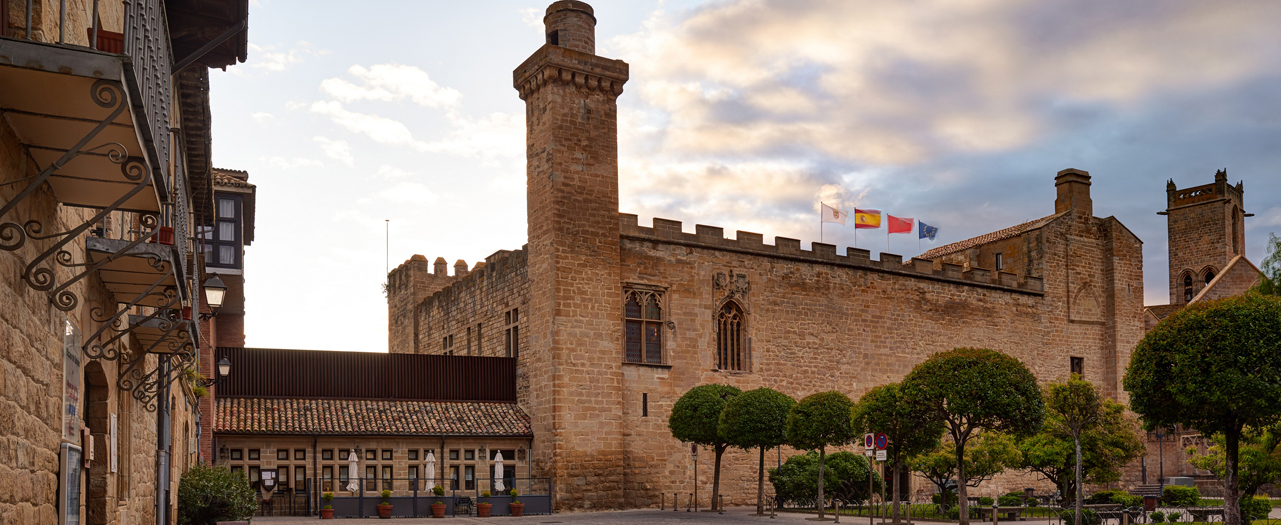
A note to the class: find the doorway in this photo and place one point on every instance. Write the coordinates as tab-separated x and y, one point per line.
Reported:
95	416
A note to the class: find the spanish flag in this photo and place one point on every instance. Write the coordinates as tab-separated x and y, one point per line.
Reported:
867	218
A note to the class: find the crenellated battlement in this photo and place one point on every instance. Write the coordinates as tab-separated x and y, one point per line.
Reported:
497	263
713	237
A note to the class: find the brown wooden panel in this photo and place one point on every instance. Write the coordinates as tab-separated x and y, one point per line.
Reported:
262	372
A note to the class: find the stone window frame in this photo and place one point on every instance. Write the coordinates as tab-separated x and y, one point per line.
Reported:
1208	273
1188	284
744	340
662	298
511	332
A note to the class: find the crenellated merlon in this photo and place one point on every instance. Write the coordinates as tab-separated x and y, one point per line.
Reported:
713	237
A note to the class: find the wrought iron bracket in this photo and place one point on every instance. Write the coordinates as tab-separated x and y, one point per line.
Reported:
111	349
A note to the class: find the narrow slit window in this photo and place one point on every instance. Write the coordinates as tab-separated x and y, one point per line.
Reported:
1187	288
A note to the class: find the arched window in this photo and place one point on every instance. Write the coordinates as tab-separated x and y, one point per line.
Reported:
643	321
1187	287
1209	276
730	354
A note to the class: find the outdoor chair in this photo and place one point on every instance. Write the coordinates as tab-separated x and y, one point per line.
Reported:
463	505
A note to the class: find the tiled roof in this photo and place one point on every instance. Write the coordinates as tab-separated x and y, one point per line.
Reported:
998	235
232	178
368	417
1161	311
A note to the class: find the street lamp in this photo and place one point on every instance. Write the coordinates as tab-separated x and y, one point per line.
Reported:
224	370
1160	439
215	292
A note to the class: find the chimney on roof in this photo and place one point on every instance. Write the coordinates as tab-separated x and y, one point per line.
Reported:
1073	187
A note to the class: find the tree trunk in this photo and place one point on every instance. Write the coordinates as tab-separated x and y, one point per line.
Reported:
822	502
760	485
896	487
716	477
1231	491
1080	497
961	493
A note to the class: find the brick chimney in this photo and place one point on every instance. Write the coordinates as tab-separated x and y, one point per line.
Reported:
571	24
1073	187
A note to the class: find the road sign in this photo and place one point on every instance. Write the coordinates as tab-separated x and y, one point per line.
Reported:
693	450
881	455
882	441
869	441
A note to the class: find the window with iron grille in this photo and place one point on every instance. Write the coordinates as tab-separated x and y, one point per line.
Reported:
730	351
642	327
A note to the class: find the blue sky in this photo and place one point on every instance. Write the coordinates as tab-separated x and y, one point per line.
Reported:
743	114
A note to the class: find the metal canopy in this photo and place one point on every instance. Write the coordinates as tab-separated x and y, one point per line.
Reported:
132	271
54	98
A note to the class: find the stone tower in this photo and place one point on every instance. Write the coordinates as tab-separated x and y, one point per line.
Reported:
407	285
1206	231
571	118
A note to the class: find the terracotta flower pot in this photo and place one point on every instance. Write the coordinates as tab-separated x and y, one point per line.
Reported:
482	509
384	511
326	514
518	509
437	510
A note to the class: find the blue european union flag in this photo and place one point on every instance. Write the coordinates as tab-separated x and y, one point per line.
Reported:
927	231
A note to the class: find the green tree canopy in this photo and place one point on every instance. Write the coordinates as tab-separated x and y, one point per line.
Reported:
910	431
1215	367
757	418
1076	407
207	495
1271	268
1259	462
695	419
1105	449
989	454
846	473
973	389
819	421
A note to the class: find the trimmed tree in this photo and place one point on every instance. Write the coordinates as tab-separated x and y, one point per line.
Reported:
845	472
819	421
1215	367
695	418
757	418
1259	462
1077	407
910	432
973	389
1105	449
208	495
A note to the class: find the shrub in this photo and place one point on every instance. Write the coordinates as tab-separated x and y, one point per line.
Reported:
1088	517
1157	517
947	498
1017	494
1010	501
328	497
1104	496
1255	508
208	495
986	502
1178	496
1033	503
438	490
386	497
484	494
514	493
1173	517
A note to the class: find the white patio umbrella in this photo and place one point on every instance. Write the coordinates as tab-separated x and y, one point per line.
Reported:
429	470
353	472
498	472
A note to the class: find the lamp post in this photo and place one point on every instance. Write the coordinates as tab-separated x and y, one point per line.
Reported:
1160	439
224	370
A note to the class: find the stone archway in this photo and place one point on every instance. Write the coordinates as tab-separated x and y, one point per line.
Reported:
96	412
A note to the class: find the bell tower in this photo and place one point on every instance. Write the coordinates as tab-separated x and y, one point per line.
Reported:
575	328
1206	231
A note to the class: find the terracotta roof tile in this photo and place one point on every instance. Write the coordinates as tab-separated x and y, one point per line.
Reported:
998	235
231	178
368	416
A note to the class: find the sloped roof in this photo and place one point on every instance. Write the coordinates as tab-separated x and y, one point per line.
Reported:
368	417
232	178
1012	231
1161	311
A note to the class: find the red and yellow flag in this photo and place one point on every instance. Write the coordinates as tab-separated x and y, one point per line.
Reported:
867	218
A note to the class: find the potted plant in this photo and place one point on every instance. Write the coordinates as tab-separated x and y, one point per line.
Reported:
518	508
327	512
483	508
438	508
384	508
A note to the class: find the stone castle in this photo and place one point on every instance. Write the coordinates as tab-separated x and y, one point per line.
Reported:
612	321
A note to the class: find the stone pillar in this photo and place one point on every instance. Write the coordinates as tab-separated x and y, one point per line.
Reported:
575	295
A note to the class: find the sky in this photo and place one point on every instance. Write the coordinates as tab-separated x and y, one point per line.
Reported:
392	129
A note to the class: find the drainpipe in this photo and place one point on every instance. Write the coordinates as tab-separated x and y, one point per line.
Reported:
162	448
315	474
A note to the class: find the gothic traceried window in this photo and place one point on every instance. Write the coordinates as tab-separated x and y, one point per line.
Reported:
643	327
1187	288
730	338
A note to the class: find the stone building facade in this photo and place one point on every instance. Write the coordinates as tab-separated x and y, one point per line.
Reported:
618	320
103	174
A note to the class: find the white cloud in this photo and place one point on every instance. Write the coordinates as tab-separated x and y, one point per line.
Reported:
496	135
380	129
388	82
336	149
404	193
533	17
293	163
391	172
295	104
262	117
267	58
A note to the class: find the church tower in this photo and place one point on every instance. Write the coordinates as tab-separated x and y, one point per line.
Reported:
575	311
1206	231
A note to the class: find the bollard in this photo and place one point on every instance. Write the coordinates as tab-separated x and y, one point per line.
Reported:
908	504
772	504
662	501
1125	517
690	506
994	513
676	502
837	503
720	503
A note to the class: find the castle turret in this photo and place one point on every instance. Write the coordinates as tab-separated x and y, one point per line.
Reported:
1206	231
573	260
